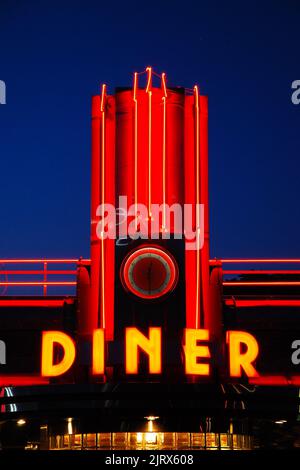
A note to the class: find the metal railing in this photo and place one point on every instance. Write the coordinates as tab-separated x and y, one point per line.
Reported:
262	277
18	273
62	272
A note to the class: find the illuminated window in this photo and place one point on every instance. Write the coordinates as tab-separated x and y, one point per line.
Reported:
104	440
153	441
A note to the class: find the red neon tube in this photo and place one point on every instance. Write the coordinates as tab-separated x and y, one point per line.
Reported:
275	380
261	260
262	283
261	271
22	380
31	260
262	303
49	303
38	283
33	272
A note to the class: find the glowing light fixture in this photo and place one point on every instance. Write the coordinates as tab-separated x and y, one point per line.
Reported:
150	420
151	437
70	425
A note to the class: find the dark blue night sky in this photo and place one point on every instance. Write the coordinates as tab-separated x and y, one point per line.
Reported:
244	55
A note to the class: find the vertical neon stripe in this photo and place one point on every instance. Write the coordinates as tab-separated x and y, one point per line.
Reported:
196	96
135	148
148	90
164	99
103	202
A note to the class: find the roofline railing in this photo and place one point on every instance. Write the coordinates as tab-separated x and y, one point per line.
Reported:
44	273
258	272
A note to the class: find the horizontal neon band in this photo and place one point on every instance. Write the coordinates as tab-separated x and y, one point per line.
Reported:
263	303
64	261
261	260
19	380
261	271
39	283
212	261
34	302
28	272
279	380
262	283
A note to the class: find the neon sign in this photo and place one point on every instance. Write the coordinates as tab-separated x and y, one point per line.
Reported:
243	350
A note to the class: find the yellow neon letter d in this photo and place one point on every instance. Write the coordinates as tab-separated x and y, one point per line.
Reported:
49	338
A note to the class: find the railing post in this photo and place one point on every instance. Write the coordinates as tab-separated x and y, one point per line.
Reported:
45	278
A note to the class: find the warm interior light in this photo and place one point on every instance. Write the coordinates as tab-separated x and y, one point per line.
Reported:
148	437
151	437
150	420
70	425
21	422
281	421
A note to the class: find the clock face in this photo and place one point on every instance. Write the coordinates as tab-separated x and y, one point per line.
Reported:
149	272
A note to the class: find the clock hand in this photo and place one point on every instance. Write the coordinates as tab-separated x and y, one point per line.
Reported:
149	272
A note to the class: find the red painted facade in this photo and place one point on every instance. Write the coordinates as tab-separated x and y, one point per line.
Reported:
150	144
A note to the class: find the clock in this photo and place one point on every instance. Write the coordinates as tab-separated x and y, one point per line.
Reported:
149	272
